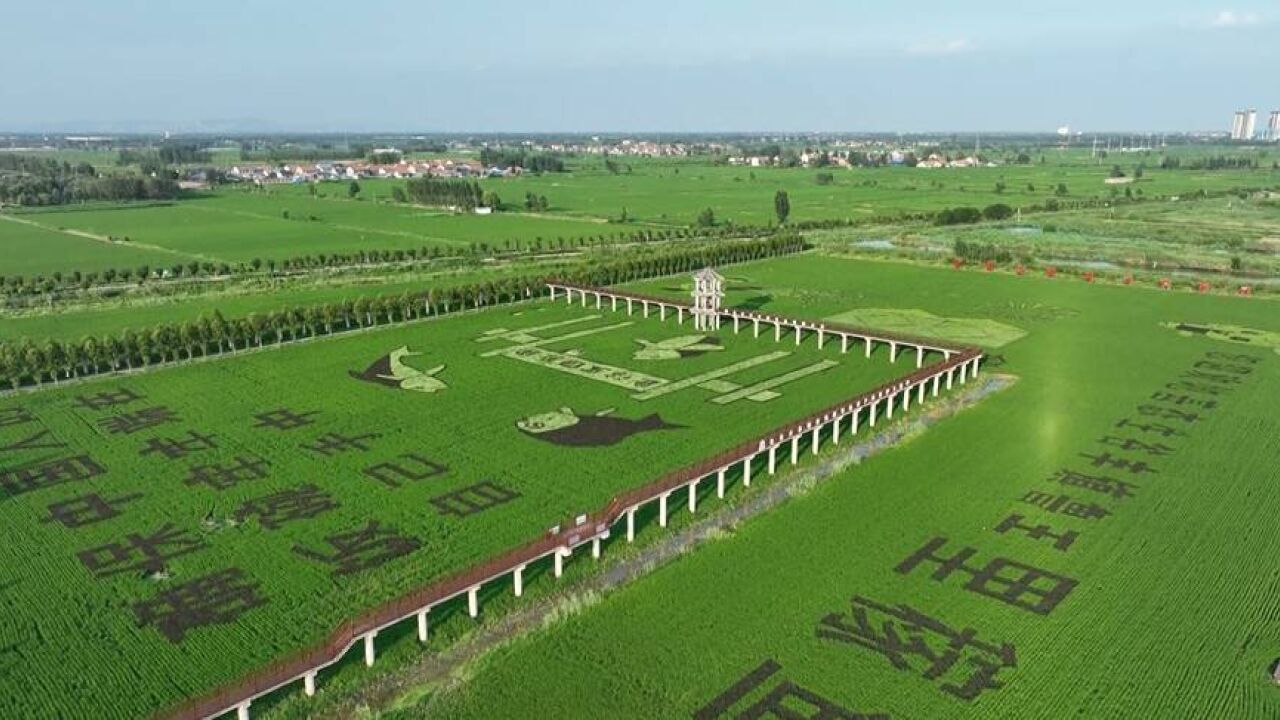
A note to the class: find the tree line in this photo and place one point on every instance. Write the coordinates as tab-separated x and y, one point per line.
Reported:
44	181
167	154
533	162
968	215
40	286
447	192
34	363
1212	162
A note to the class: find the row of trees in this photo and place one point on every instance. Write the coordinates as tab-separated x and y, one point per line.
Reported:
449	192
18	285
29	362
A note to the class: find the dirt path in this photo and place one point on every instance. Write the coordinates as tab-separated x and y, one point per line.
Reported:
435	672
106	240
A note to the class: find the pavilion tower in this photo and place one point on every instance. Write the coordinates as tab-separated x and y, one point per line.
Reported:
707	293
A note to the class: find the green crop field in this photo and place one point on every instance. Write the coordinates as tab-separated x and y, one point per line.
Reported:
282	221
292	488
33	249
239	226
1160	595
1131	460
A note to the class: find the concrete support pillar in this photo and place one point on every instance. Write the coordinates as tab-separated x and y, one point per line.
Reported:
919	357
853	426
920	397
868	343
946	355
422	615
777	332
975	367
720	484
309	684
629	306
598	301
473	601
797	334
873	412
906	398
735	324
821	338
893	352
584	297
631	525
888	411
645	307
242	711
693	496
595	548
369	652
680	316
936	378
662	510
844	344
963	368
662	313
746	471
755	324
773	459
552	289
950	374
795	449
835	430
560	555
614	302
817	429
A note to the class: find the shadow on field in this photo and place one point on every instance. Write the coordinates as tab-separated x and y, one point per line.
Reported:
754	303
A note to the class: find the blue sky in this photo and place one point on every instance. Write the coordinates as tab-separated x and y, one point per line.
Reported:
656	65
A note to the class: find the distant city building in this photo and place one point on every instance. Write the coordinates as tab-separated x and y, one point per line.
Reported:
1250	124
1273	126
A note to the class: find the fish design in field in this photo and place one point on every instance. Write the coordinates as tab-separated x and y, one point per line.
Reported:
1230	333
565	427
677	347
392	371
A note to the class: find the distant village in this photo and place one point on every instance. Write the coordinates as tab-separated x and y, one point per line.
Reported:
303	172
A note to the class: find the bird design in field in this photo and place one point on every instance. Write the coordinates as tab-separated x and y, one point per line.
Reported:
677	347
391	370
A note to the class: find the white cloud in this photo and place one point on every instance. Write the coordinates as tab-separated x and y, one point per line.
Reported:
1233	19
940	47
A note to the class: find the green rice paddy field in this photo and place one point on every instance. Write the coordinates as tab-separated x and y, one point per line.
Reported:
237	225
1161	594
265	471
